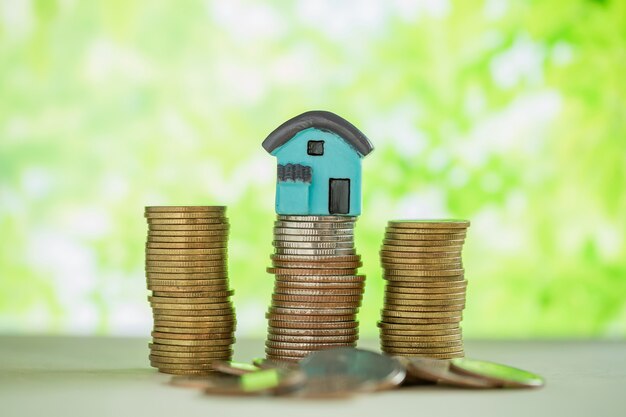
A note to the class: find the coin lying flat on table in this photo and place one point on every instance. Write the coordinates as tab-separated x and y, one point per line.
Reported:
438	371
349	370
497	374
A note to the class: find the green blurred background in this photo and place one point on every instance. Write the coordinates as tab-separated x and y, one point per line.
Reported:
508	113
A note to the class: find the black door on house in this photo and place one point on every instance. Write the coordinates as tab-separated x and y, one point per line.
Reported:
339	196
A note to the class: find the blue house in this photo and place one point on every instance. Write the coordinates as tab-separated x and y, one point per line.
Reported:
319	165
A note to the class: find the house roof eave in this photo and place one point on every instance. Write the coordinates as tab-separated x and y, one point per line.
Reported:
322	120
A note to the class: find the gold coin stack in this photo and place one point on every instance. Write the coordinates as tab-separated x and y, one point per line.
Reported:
317	290
186	269
425	290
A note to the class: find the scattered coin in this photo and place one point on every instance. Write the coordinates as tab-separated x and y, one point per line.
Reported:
233	368
438	371
498	374
349	370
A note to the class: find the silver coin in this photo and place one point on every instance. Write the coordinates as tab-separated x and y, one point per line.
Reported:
348	369
315	252
314	225
312	245
313	232
314	238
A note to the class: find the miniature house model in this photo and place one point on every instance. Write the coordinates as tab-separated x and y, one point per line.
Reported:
319	165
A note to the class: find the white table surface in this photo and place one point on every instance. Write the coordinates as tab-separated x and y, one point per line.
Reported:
91	377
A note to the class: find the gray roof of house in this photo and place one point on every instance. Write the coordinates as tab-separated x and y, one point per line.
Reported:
322	120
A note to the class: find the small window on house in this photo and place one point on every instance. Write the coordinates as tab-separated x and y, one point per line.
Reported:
315	147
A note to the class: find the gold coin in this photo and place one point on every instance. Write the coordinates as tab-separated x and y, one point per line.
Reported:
184	214
164	356
315	305
186	245
191	279
208	322
281	353
417	249
423	243
318	293
161	312
319	298
310	318
187	280
193	321
391	299
384	332
189	306
189	361
305	346
420	314
177	209
187	264
321	278
312	332
184	372
322	286
189	239
400	350
425	339
187	221
188	258
398	230
408	286
312	325
189	227
418	256
395	279
184	273
425	327
284	359
428	294
187	252
318	259
198	294
189	291
311	311
429	224
317	265
418	308
195	330
214	334
433	355
420	321
432	347
307	271
202	342
219	233
425	236
312	339
418	267
420	261
185	300
156	347
195	284
180	366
